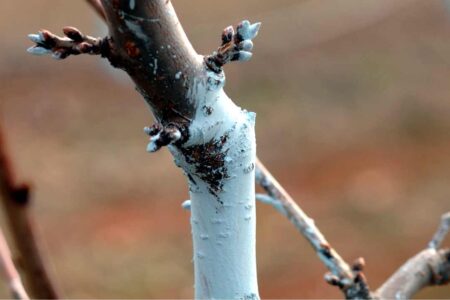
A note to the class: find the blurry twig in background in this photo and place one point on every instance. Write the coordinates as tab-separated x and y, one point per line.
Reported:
429	267
98	7
320	23
15	200
350	280
9	271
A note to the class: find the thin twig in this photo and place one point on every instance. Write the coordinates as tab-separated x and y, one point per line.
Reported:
16	200
350	280
266	199
441	233
9	271
74	43
98	7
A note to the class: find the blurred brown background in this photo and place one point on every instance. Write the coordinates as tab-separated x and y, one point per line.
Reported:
353	112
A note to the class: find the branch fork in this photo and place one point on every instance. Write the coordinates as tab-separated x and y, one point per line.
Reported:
358	288
235	46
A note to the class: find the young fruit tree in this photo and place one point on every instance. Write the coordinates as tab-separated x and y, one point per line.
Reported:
212	140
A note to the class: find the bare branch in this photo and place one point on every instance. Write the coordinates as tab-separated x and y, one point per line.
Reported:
350	280
98	7
155	51
15	199
429	267
148	42
266	199
9	271
441	233
74	43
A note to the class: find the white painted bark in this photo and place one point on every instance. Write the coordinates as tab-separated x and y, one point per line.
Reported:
223	217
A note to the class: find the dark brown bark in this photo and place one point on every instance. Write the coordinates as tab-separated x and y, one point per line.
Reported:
153	49
16	203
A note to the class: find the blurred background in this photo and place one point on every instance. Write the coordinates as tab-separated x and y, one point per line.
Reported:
353	118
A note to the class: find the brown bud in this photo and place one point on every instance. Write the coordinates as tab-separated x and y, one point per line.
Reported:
154	129
85	47
227	35
332	279
73	34
359	264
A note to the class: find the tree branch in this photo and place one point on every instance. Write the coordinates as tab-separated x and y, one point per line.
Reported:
148	42
74	43
441	232
156	53
16	200
430	267
9	271
350	280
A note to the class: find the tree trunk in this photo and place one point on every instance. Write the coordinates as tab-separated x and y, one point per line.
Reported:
219	160
211	139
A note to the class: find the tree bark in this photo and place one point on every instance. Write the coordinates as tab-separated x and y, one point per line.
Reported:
150	45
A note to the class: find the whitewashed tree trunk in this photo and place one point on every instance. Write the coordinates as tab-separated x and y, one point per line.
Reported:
219	160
